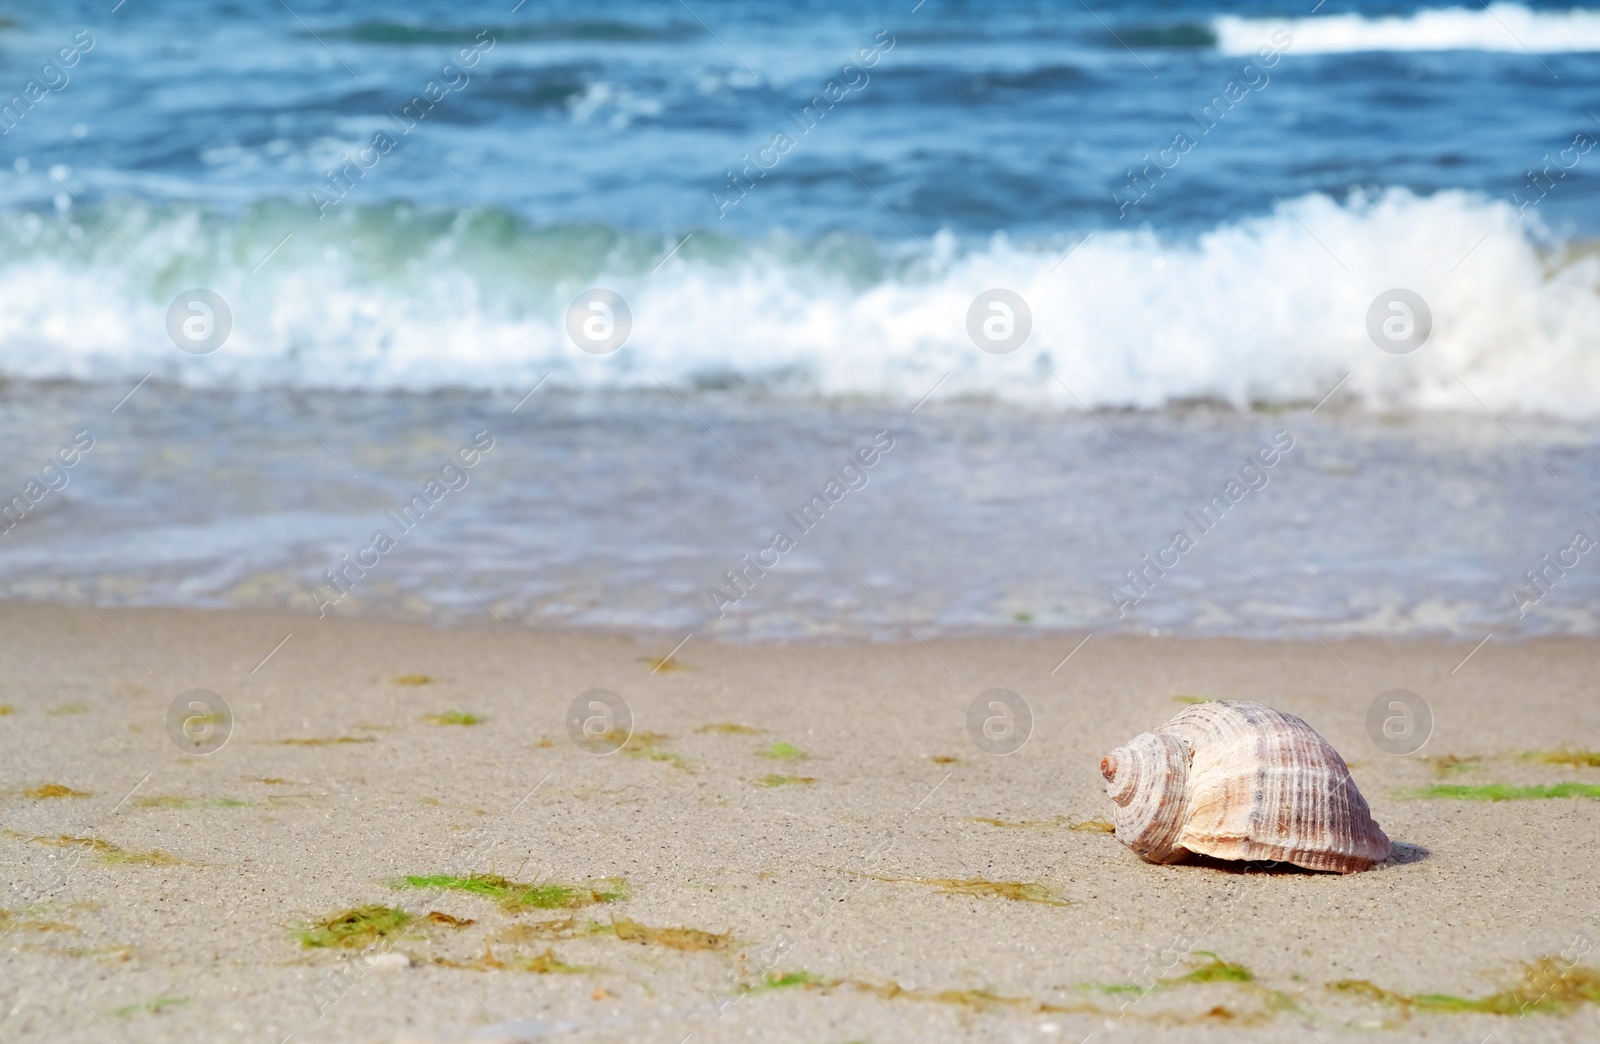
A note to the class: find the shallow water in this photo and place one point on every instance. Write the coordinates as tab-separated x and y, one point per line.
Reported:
384	304
624	510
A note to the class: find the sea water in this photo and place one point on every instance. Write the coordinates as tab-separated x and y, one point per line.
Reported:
1199	204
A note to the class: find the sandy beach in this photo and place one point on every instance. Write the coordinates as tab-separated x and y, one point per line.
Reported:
641	522
798	842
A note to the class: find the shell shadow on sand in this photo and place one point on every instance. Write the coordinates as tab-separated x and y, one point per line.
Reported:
1400	854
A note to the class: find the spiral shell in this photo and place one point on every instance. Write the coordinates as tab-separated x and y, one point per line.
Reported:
1237	780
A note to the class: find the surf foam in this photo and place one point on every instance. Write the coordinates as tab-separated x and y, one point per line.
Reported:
1272	308
1499	27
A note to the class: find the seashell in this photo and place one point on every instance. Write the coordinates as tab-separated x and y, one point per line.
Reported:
1237	780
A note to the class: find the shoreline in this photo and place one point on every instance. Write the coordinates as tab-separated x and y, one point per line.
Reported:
891	636
625	515
20	389
796	835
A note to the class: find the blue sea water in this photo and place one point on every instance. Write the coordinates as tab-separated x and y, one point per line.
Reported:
1198	201
970	119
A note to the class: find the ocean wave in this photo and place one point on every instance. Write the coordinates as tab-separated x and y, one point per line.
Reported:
1498	27
406	34
1269	309
1183	36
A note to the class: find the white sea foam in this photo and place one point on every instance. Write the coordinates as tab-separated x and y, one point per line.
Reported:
1498	27
1270	308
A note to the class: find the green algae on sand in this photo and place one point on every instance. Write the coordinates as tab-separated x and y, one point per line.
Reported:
781	751
1575	758
455	717
1214	969
155	857
175	801
649	745
448	920
980	999
1016	891
51	791
773	779
1444	764
518	895
784	980
355	928
987	999
1547	987
546	963
25	920
687	940
1506	791
108	852
546	931
154	1006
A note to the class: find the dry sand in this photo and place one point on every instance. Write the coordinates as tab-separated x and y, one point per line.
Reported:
822	879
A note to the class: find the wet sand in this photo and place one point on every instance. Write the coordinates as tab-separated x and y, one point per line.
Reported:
850	865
